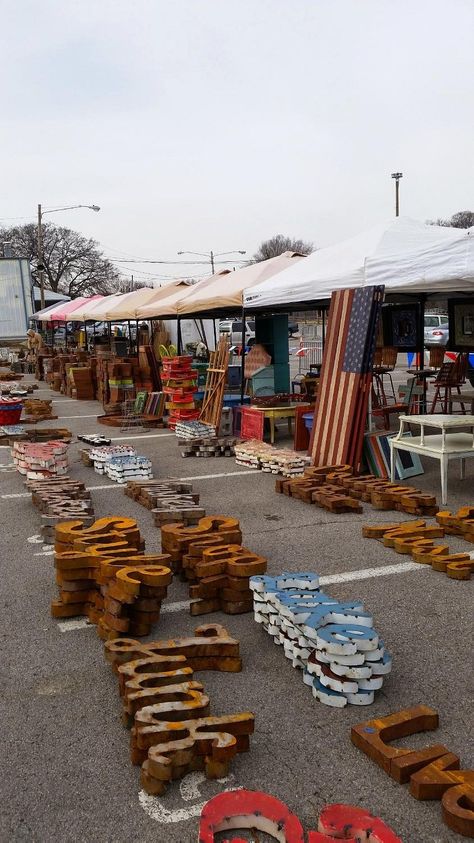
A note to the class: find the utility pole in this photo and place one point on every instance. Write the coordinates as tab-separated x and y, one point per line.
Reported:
397	177
40	257
211	255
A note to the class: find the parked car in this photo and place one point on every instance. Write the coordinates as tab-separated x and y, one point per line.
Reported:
436	329
233	328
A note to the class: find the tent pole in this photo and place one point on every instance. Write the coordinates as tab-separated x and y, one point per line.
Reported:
136	337
129	337
421	333
324	326
65	333
242	357
203	333
215	333
178	331
85	336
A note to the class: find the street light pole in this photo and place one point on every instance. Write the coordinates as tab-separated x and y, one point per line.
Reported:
397	177
40	258
40	265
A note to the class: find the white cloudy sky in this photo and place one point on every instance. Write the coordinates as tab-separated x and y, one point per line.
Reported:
214	124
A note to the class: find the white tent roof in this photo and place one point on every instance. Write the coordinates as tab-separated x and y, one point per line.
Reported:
44	314
226	290
406	255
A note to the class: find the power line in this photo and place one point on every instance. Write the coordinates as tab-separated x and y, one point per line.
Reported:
172	263
29	217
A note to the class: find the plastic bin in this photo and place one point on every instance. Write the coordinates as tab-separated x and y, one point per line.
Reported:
10	411
308	419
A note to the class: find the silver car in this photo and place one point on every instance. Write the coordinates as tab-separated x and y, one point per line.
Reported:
436	329
233	329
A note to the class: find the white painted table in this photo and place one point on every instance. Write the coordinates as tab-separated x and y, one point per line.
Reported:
451	443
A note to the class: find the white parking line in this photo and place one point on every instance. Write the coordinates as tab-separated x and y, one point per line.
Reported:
122	485
141	436
72	625
175	607
93	416
212	476
368	573
348	576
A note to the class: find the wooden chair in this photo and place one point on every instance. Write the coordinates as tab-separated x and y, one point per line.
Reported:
309	387
385	360
451	376
436	356
378	357
407	393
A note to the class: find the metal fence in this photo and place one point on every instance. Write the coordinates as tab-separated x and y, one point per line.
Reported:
309	353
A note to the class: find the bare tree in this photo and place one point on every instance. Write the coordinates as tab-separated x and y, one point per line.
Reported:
73	264
278	244
463	219
129	285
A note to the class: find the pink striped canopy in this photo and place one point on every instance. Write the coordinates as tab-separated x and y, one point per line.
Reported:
62	312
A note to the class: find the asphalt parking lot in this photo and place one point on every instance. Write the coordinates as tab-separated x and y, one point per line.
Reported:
66	769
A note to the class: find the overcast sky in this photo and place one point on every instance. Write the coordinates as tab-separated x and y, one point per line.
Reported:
214	124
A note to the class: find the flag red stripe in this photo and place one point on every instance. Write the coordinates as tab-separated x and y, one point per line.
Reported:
329	421
341	407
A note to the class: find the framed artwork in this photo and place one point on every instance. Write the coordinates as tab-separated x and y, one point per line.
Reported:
401	326
461	324
377	456
407	464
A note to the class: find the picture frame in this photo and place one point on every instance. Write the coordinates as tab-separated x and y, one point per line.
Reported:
377	456
401	326
461	324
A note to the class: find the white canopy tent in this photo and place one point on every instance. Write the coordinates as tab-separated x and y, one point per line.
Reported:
406	255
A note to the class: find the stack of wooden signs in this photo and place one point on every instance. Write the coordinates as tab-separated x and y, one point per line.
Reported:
346	376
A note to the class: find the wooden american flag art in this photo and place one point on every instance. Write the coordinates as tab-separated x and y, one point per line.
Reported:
346	376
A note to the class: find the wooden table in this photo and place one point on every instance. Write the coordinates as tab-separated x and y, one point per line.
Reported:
451	443
423	375
272	413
